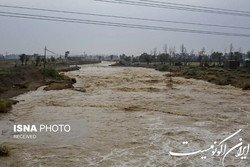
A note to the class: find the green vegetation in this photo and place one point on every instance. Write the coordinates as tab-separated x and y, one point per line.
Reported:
214	68
51	72
163	68
5	106
239	78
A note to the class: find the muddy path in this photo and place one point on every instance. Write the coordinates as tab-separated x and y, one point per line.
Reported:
133	117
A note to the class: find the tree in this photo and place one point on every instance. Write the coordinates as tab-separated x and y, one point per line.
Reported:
135	59
165	48
26	59
38	59
52	59
100	58
146	57
111	57
201	55
155	55
163	58
172	54
122	57
190	56
237	56
248	54
127	58
231	51
22	58
67	54
183	54
216	57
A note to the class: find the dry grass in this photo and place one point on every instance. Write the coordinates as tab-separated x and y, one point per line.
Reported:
238	78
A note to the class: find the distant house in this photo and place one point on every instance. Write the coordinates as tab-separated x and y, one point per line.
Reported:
246	63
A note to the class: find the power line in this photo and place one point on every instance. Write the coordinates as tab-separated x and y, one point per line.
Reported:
174	7
124	17
196	6
52	52
114	24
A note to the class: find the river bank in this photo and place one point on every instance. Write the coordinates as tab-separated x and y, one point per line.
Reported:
239	78
16	80
24	79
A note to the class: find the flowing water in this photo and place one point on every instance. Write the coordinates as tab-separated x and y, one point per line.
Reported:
132	117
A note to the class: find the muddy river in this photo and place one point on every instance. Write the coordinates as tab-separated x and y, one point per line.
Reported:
133	117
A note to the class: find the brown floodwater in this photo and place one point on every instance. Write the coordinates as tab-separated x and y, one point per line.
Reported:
132	117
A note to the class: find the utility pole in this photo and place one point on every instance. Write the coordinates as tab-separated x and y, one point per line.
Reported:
170	77
44	64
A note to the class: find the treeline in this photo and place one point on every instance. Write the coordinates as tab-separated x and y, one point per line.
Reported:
184	57
35	59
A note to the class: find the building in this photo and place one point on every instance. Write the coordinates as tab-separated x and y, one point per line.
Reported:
246	63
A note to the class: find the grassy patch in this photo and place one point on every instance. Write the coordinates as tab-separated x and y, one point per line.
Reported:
163	68
211	77
5	106
52	73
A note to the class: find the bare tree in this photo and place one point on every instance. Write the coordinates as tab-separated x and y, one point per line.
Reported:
165	48
231	47
201	55
172	54
183	53
231	51
26	59
171	51
211	52
155	54
22	58
192	52
155	51
203	50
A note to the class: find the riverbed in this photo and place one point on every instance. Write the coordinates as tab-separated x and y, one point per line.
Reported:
132	117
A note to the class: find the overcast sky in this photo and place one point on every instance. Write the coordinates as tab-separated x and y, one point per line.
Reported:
30	36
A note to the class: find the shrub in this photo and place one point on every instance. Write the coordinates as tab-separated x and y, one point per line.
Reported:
211	77
222	82
246	86
5	106
51	72
164	68
178	64
4	151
